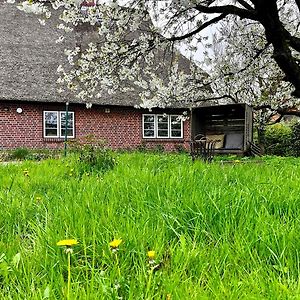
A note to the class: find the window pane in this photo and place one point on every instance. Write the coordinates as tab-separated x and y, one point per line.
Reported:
50	132
176	127
149	126
163	126
70	130
162	133
51	119
176	133
162	119
148	119
51	123
149	133
63	120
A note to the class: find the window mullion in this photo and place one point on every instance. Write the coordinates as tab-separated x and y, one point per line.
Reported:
156	126
59	124
169	126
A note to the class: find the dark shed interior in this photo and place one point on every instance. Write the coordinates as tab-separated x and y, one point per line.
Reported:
231	125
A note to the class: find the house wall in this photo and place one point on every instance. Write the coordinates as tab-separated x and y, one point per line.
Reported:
121	128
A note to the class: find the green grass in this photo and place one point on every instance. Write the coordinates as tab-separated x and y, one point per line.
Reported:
220	230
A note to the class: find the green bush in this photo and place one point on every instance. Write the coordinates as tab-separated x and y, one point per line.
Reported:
295	139
278	140
93	155
20	153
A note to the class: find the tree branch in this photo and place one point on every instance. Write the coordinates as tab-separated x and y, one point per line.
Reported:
229	10
197	30
218	98
245	4
259	52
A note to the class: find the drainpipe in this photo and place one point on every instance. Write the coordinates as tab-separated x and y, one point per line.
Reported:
66	129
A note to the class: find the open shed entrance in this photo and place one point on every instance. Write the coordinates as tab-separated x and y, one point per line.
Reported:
231	125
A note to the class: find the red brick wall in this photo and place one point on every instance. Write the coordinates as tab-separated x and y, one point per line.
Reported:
120	128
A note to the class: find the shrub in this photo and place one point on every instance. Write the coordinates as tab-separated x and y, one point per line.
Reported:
20	153
93	155
295	139
278	139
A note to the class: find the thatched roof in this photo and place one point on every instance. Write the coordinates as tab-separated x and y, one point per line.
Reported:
29	58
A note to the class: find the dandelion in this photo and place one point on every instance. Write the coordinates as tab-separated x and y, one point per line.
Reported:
151	256
68	244
237	161
114	244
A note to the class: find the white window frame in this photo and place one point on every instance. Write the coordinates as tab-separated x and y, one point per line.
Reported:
154	129
181	127
156	116
58	129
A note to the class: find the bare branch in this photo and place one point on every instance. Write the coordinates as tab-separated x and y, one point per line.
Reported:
218	98
229	10
245	4
197	30
259	52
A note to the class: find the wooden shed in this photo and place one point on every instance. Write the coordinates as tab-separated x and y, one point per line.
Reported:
231	125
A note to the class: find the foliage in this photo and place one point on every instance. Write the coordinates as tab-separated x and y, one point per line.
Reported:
295	138
218	231
93	155
237	77
20	153
278	139
28	154
265	43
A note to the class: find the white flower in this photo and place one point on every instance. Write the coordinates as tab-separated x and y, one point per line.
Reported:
60	40
42	22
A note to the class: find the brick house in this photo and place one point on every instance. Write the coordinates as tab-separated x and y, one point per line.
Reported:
32	112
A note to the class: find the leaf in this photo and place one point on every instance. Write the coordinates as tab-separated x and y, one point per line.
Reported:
16	260
47	292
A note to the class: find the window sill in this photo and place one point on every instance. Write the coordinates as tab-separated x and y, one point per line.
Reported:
55	140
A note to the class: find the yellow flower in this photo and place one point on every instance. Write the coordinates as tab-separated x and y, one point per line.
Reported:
115	243
151	254
68	243
237	161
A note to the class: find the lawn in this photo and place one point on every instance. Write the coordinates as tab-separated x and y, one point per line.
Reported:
219	231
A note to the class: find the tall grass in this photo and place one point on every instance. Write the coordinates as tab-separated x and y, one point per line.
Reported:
220	231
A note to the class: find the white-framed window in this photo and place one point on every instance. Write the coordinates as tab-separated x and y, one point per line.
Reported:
162	126
55	124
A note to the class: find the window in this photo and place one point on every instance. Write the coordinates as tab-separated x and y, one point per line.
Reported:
162	126
55	124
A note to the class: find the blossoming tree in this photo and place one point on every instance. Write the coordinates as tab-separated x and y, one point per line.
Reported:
243	70
258	58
